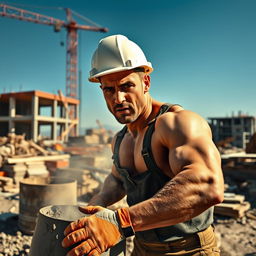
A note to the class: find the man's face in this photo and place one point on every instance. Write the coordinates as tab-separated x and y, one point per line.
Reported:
125	94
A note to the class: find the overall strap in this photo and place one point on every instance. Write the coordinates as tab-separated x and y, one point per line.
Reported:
146	149
119	138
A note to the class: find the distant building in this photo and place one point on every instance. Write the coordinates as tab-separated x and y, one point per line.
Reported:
239	129
38	113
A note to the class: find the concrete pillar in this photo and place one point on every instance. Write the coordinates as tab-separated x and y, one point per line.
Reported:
54	126
12	113
35	107
66	125
77	115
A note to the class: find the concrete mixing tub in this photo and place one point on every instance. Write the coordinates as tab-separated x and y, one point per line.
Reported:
51	222
37	192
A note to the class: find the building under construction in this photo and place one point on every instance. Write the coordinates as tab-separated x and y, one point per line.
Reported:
236	129
32	112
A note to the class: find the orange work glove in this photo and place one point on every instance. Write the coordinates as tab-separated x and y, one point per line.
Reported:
98	232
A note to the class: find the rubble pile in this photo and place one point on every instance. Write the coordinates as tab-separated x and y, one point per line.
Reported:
18	245
12	241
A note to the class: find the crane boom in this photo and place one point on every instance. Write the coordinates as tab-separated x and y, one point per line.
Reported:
72	38
17	13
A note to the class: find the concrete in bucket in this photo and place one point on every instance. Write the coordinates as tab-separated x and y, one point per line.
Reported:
48	235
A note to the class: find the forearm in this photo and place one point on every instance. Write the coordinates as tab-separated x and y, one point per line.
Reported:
181	199
111	192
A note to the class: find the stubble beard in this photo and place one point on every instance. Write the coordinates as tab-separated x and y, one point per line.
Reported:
124	118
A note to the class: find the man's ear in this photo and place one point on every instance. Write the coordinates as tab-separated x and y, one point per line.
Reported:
146	80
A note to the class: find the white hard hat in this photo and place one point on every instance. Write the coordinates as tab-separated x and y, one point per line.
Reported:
117	53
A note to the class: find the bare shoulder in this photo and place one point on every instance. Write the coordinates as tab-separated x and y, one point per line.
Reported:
181	126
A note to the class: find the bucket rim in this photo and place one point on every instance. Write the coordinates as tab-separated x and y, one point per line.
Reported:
47	181
45	212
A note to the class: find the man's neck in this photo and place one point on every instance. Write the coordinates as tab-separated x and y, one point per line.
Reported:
150	111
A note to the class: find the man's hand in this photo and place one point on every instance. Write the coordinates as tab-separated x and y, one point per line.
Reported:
97	233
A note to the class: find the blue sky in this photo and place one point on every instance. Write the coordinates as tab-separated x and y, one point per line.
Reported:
203	52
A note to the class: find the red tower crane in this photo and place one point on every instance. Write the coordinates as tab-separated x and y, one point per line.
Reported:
72	38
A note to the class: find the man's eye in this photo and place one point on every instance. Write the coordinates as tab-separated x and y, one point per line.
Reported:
108	89
126	86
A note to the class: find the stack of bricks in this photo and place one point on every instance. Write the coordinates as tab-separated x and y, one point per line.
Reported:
52	166
16	171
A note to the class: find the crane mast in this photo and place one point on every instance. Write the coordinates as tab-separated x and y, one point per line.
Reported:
71	56
71	42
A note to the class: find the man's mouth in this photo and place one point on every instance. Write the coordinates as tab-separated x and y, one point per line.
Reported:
122	109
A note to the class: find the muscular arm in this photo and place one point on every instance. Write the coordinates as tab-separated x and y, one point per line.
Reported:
198	181
111	192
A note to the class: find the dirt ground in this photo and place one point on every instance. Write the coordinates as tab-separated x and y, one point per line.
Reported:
236	237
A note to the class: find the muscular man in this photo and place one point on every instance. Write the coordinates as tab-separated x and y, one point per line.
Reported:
164	161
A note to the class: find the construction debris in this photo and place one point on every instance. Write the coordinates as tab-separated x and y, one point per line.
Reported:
6	184
20	158
15	171
16	146
233	205
93	136
18	245
236	210
251	145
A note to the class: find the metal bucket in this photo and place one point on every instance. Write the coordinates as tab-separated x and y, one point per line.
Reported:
37	192
48	235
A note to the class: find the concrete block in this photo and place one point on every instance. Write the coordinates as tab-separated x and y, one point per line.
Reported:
92	139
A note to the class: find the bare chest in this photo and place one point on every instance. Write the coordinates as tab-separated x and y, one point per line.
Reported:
130	154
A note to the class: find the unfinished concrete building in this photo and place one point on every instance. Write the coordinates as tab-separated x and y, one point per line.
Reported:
38	113
237	129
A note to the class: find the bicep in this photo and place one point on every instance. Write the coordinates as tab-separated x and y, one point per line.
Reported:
199	167
189	141
200	152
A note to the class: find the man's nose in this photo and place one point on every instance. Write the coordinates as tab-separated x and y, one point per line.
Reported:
119	97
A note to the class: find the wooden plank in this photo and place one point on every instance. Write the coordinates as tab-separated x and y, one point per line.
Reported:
232	210
38	148
37	158
63	100
233	198
238	155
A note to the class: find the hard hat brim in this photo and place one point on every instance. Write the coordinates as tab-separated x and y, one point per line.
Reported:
95	78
